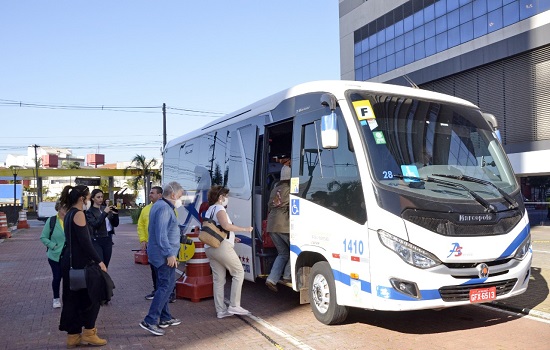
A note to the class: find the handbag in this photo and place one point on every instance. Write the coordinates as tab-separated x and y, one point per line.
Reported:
210	233
77	277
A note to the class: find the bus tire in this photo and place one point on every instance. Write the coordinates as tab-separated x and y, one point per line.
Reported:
323	295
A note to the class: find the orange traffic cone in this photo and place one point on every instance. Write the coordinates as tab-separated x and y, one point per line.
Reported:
22	222
4	232
197	282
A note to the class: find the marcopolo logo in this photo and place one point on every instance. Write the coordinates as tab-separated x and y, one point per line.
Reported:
475	218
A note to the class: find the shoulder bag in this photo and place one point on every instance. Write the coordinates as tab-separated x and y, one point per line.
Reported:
77	277
210	233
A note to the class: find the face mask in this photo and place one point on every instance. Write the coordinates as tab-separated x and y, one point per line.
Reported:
225	201
86	205
178	203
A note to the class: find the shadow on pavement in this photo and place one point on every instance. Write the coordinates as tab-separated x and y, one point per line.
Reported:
536	293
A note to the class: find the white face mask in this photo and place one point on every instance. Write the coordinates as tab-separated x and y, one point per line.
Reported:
178	203
225	201
86	205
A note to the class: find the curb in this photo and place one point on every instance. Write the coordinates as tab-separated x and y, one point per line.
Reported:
524	311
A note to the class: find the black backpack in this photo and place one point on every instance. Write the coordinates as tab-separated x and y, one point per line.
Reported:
52	226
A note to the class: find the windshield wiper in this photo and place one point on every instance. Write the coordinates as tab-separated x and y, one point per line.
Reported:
513	203
488	206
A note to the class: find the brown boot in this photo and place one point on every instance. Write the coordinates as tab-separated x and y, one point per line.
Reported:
73	340
89	337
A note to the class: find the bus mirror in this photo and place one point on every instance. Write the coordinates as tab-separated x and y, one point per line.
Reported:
329	130
329	100
491	119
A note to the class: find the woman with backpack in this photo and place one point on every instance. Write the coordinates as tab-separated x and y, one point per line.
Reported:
53	237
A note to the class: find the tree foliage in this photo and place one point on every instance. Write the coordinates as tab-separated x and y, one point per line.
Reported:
147	173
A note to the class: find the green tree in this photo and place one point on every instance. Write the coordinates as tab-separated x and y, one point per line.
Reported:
70	164
147	173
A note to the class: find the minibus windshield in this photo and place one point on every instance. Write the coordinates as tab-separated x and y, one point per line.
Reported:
411	141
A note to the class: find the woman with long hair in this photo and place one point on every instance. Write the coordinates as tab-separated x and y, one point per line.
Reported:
102	221
224	257
78	309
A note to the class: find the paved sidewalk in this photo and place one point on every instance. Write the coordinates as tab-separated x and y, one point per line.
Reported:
29	322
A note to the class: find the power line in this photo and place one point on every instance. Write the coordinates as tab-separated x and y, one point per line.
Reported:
127	109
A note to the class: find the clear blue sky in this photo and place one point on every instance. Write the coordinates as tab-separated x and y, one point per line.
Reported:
212	56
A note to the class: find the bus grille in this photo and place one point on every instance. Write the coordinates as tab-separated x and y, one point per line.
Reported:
462	292
445	227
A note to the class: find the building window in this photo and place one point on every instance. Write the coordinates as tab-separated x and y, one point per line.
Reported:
434	28
510	13
495	20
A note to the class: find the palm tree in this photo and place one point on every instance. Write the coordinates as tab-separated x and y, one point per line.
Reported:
147	173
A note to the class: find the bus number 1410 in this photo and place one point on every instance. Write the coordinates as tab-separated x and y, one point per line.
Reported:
353	246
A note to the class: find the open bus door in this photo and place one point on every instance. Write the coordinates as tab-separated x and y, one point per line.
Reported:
240	183
274	148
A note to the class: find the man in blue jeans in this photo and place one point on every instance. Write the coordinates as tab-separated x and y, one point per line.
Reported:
162	250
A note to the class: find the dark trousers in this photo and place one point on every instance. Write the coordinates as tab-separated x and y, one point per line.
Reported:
56	281
78	310
154	276
104	247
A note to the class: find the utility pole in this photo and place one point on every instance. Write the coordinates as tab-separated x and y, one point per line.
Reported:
38	183
163	126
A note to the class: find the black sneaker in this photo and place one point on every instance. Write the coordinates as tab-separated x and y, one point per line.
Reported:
172	322
150	296
172	298
151	328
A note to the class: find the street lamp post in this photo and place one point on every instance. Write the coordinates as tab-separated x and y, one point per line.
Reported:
14	171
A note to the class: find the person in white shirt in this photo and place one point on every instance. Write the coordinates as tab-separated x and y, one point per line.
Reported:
224	257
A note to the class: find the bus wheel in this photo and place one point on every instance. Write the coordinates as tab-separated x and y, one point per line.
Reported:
323	295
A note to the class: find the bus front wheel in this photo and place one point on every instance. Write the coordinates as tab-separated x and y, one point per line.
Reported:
323	295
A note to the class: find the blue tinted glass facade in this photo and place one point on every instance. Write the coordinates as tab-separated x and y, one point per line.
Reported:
437	26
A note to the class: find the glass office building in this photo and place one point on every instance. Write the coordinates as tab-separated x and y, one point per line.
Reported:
494	53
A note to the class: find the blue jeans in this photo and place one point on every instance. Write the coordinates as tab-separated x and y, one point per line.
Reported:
281	265
166	281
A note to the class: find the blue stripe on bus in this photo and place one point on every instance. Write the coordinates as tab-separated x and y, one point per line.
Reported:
390	293
516	242
386	292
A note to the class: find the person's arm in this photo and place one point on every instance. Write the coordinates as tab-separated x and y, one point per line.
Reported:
221	215
142	227
163	221
93	221
113	219
271	197
45	236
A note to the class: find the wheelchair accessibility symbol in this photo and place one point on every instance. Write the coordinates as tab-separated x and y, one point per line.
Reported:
295	207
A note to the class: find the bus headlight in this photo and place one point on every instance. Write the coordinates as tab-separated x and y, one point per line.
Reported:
523	248
410	253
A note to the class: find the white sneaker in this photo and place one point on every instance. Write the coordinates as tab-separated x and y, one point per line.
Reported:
237	310
223	314
56	303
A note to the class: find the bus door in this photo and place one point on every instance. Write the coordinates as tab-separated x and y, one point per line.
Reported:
240	177
276	148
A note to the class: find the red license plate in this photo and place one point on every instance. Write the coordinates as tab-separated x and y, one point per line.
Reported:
483	295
